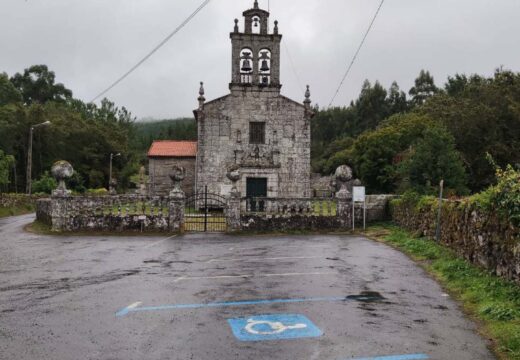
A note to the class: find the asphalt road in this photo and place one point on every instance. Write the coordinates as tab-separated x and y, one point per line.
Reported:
297	297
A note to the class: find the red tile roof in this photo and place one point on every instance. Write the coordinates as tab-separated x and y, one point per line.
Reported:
173	149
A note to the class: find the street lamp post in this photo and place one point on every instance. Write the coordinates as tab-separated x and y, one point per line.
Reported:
112	156
29	156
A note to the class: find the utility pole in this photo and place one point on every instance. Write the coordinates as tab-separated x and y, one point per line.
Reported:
112	156
438	230
29	156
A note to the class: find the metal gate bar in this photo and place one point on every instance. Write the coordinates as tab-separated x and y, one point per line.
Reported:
205	212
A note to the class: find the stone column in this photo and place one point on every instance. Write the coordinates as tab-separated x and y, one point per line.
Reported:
344	212
344	197
176	211
61	197
176	201
233	203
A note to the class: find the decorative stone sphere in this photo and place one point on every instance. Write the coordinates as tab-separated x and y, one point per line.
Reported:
62	170
177	174
233	174
344	173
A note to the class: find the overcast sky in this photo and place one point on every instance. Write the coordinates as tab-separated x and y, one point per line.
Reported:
90	43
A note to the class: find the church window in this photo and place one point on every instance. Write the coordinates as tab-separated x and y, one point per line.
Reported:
257	133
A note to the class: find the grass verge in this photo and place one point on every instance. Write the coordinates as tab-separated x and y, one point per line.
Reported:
493	302
15	211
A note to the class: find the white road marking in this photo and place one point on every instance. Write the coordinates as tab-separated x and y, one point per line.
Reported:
278	246
264	259
134	305
159	242
183	278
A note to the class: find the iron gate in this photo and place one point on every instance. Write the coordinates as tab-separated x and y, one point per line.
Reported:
205	212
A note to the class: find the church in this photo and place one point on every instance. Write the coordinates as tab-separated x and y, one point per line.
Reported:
254	129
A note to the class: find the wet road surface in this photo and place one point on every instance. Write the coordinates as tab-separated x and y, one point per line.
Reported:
206	296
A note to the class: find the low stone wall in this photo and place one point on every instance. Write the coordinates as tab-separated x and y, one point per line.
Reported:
377	209
118	223
43	211
17	200
111	213
480	237
261	223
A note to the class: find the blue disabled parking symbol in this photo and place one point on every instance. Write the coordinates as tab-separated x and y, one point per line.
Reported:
273	327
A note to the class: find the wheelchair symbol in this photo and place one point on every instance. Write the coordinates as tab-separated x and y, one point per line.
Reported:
276	327
273	327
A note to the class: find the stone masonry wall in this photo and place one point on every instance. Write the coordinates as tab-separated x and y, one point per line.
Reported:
223	136
159	170
482	238
17	200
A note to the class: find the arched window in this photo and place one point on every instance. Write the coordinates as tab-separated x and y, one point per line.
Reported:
257	25
264	67
246	66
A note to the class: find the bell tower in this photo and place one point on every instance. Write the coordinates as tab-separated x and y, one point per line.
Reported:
255	52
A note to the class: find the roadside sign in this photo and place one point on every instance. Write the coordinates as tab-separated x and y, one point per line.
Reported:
358	196
273	327
358	193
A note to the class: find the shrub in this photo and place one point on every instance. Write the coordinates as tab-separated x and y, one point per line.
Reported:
45	184
100	191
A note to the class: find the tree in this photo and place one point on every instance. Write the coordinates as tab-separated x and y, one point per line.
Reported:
8	93
37	85
371	107
424	88
375	154
6	163
397	100
483	115
431	159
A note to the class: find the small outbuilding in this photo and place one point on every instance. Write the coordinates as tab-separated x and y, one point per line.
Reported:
162	157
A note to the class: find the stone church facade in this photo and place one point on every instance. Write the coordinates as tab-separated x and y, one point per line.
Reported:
254	128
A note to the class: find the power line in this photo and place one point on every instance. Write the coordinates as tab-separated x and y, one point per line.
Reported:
357	52
161	44
300	84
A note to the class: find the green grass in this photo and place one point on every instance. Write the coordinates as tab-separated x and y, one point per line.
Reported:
14	211
492	301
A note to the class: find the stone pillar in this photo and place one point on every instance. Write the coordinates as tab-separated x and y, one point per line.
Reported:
233	212
176	200
344	197
176	211
344	212
61	197
233	209
60	212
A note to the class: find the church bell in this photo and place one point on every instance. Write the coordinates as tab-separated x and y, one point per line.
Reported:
265	66
246	66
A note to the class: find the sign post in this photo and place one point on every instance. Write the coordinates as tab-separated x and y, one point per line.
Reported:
358	196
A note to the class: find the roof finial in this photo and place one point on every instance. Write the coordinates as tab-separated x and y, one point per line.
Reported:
275	27
236	25
307	96
256	4
201	96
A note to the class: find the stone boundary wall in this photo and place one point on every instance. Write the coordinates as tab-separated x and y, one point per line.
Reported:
111	213
267	223
16	200
480	237
377	210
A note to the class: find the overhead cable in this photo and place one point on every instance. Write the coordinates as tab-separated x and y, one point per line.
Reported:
357	52
161	44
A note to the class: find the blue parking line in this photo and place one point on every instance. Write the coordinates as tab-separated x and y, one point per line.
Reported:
129	309
398	357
